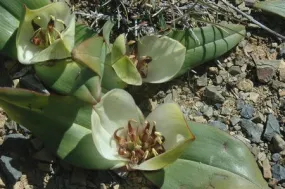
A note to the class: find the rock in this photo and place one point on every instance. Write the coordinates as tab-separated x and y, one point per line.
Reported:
277	85
281	70
199	119
272	127
275	157
2	184
213	70
218	80
116	186
266	169
11	174
234	120
266	69
213	95
252	130
278	143
239	104
103	186
244	140
234	70
219	125
225	75
208	112
78	177
245	85
226	111
237	127
202	81
11	125
278	172
261	156
253	96
247	111
259	118
44	155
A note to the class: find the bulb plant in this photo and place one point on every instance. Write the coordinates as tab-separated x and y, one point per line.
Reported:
108	131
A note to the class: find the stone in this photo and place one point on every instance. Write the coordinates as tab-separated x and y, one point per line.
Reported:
266	69
219	125
277	85
253	96
199	119
272	127
213	95
278	143
213	70
281	70
234	70
252	131
239	104
218	80
208	112
78	177
202	81
275	157
247	111
234	120
11	125
278	172
237	127
11	174
266	169
245	85
261	156
226	111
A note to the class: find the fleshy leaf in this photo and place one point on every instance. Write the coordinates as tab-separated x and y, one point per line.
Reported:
68	77
107	31
110	79
36	21
215	160
127	71
212	42
118	48
62	122
89	53
273	6
167	57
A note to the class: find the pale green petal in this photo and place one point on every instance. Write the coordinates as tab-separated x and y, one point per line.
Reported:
103	141
115	109
119	48
172	125
61	48
167	57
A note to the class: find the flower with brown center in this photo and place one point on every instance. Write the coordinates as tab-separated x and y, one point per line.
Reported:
122	135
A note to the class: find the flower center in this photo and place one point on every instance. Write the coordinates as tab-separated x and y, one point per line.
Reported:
140	143
44	37
142	63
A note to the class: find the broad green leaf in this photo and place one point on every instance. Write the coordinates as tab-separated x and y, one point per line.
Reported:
63	123
213	160
82	32
110	79
127	71
68	77
107	31
89	53
11	12
213	42
118	48
273	6
167	57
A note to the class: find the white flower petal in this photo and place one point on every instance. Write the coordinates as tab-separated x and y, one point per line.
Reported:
29	53
171	123
167	55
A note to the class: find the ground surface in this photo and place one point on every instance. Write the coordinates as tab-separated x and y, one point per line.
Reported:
246	87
